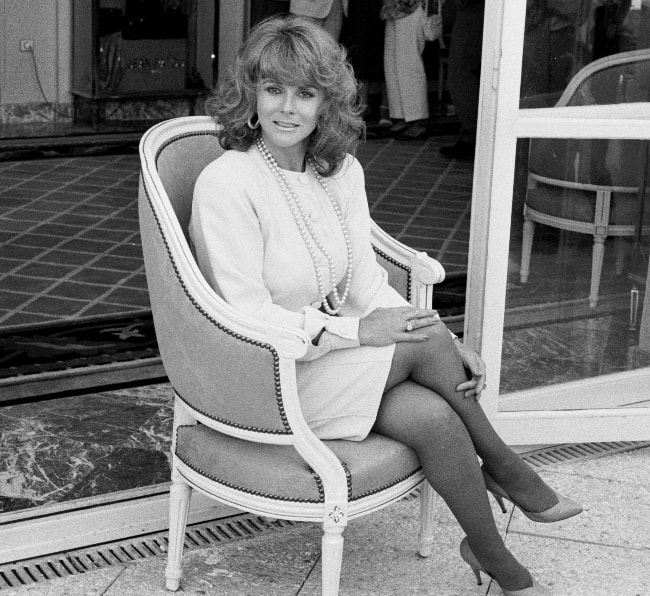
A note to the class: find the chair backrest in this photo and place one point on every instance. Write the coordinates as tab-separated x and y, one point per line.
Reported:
620	78
213	362
180	161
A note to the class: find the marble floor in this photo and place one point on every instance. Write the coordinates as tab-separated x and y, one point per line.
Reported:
84	446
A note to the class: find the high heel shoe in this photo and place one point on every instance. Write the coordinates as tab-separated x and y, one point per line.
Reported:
468	556
563	509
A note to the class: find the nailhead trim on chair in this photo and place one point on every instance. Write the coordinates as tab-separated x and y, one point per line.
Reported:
348	476
185	135
319	483
265	346
376	490
382	488
392	261
228	422
317	479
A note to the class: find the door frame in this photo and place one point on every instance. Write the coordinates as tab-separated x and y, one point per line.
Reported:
501	123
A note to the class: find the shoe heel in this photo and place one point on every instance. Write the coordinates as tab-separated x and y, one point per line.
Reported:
500	502
468	556
497	492
477	573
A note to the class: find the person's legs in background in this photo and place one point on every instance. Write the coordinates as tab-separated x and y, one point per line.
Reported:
396	112
363	37
465	75
406	80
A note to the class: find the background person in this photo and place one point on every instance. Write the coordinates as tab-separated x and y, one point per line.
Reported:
464	74
406	79
327	13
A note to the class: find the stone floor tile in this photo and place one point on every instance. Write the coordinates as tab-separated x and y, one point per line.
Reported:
617	511
380	558
630	466
270	565
85	584
575	568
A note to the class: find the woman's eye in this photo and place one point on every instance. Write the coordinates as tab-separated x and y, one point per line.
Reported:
272	89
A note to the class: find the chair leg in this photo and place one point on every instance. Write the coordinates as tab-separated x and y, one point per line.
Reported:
596	269
332	557
427	504
180	495
526	249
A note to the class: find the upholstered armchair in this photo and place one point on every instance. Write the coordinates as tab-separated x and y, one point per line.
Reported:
591	186
238	433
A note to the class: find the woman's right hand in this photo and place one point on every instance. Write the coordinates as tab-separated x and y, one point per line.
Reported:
385	326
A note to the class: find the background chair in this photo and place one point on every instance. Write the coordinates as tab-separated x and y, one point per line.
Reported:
590	186
238	431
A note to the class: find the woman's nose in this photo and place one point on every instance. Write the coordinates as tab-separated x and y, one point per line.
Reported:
288	103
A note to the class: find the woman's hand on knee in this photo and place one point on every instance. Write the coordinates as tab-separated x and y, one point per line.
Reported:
385	326
476	367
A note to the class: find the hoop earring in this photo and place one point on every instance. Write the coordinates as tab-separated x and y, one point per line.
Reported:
250	124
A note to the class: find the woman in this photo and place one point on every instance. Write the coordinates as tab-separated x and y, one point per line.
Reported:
280	227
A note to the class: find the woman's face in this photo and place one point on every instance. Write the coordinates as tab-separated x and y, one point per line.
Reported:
288	114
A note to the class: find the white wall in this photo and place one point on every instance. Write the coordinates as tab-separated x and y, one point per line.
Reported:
48	24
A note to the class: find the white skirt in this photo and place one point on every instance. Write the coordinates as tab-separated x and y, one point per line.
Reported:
340	392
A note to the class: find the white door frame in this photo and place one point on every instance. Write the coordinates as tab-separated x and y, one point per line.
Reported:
501	123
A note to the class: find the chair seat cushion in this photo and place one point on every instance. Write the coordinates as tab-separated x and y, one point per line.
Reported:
278	471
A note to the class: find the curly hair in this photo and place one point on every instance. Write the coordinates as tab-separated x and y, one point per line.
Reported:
297	52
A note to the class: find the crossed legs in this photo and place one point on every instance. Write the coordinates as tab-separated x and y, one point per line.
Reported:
422	409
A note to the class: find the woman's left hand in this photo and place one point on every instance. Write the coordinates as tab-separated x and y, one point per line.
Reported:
476	367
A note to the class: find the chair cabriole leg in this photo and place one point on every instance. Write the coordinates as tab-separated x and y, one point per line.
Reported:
179	504
332	557
427	503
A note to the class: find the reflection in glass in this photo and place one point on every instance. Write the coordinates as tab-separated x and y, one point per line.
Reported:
577	266
562	37
145	46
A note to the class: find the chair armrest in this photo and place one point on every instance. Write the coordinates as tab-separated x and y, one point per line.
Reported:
413	272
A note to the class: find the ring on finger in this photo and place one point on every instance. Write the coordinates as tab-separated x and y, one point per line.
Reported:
409	325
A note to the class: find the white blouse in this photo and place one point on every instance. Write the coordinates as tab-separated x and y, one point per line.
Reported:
250	250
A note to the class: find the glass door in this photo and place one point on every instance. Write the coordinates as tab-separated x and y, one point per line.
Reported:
559	253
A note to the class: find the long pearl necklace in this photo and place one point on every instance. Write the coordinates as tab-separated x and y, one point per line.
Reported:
309	234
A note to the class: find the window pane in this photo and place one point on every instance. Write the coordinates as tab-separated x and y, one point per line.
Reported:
577	266
563	37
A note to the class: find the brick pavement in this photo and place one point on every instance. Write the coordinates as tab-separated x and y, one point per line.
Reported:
70	244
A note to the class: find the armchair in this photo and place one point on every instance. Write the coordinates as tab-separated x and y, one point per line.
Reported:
591	186
238	431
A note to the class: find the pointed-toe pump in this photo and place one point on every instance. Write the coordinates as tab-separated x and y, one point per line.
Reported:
468	556
563	509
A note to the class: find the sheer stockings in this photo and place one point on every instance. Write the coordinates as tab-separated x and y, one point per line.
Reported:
422	409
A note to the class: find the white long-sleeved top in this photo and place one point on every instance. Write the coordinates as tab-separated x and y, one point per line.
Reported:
250	250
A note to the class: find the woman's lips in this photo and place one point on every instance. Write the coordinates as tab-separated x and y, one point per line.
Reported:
282	124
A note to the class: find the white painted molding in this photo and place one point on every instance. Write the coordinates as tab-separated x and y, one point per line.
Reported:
66	530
